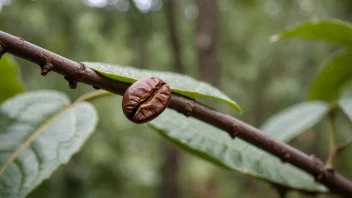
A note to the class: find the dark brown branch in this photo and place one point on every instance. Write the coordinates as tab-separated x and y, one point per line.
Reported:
236	128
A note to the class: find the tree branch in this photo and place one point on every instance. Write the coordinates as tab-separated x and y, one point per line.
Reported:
234	127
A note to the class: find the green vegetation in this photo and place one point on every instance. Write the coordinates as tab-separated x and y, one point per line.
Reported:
290	88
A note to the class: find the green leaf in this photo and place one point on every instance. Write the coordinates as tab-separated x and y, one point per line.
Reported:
346	104
9	78
180	84
334	31
331	80
39	131
295	120
216	146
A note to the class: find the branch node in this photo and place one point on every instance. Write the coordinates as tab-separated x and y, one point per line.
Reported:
187	111
235	131
2	50
319	177
329	170
81	72
71	83
46	68
83	66
321	167
285	157
316	160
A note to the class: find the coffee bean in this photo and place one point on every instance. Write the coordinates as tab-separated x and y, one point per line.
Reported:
145	99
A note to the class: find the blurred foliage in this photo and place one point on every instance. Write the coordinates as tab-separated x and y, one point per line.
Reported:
337	68
122	159
293	121
10	81
339	72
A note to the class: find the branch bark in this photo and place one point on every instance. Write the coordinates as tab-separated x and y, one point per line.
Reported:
234	127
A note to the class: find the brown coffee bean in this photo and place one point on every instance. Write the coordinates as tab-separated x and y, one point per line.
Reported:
145	99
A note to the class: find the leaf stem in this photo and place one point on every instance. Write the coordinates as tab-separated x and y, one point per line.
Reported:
332	138
92	95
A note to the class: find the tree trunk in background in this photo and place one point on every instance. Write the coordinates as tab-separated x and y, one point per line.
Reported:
170	8
169	186
207	41
140	33
209	68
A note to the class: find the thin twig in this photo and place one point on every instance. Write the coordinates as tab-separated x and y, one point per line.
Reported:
234	127
337	151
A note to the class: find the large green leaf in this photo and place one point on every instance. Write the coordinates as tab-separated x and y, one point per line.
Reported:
9	78
39	131
346	104
334	31
216	146
295	120
181	84
331	80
